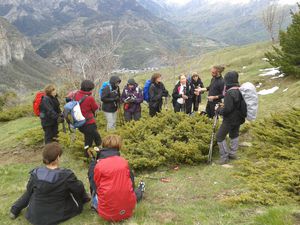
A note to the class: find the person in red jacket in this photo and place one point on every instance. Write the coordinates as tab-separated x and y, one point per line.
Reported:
88	108
112	183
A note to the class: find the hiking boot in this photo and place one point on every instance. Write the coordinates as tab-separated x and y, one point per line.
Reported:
142	186
12	216
232	157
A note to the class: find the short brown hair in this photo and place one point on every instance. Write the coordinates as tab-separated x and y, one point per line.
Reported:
219	68
112	141
51	152
195	74
181	75
154	77
49	88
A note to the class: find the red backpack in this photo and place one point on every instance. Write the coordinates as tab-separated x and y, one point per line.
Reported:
37	102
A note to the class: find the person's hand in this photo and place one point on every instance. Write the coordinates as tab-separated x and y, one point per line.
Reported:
211	98
185	97
197	92
203	89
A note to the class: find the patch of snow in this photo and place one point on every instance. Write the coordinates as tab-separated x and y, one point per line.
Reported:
268	91
259	85
269	72
285	90
265	59
280	76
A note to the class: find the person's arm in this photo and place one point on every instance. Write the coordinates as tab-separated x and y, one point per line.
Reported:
94	105
228	105
106	95
140	97
123	96
221	89
50	112
74	185
175	93
165	92
152	95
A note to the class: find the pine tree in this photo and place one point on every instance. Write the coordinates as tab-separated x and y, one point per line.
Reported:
288	56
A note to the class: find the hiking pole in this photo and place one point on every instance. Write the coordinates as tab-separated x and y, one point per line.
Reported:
120	114
216	117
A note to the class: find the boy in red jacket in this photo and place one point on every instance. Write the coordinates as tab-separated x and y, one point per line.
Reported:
88	108
112	183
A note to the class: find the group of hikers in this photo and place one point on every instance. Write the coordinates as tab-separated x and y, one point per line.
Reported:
54	194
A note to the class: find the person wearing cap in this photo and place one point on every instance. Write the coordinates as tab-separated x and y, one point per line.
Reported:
111	101
132	97
52	194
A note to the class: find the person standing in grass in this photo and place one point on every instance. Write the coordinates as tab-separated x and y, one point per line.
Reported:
157	91
88	108
215	90
182	95
232	118
112	186
132	97
50	114
52	194
196	84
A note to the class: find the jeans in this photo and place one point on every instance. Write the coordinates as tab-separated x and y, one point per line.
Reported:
111	119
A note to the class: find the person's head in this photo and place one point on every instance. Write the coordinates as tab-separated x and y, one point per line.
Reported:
156	78
195	76
87	85
115	81
51	153
131	83
50	90
182	79
112	141
231	79
217	70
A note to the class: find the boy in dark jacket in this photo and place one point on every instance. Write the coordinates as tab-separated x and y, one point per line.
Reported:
88	108
157	91
182	95
215	90
112	183
196	84
232	118
50	114
132	97
111	101
52	195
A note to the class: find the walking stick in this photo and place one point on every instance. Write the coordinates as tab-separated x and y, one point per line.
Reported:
216	117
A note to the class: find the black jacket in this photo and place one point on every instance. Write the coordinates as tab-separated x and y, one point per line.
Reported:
232	101
50	111
195	85
111	95
55	195
216	88
156	93
189	91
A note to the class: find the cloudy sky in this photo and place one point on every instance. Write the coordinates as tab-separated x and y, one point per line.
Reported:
182	2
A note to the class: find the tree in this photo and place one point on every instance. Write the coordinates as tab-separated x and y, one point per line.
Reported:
288	56
273	18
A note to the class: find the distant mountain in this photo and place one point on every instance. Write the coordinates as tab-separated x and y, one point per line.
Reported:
21	69
54	24
228	21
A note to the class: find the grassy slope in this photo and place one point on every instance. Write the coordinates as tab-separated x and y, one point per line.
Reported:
194	194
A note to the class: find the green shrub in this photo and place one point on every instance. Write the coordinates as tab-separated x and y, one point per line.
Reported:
271	171
149	143
15	113
274	217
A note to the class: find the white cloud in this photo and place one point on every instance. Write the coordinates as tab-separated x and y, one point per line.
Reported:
288	2
183	2
176	2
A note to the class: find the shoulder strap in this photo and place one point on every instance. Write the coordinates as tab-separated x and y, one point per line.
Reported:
83	98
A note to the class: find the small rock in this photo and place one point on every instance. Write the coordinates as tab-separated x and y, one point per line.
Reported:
245	144
227	166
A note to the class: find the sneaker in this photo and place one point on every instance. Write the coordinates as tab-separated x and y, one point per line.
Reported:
142	186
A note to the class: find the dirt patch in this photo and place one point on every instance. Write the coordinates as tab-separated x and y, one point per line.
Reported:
20	155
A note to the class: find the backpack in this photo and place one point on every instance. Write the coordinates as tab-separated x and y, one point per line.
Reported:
105	84
37	102
146	90
249	103
73	114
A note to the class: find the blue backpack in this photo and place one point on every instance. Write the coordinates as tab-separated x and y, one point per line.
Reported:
105	84
146	90
73	114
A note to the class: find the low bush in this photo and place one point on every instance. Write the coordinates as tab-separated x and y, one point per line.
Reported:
16	112
271	170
